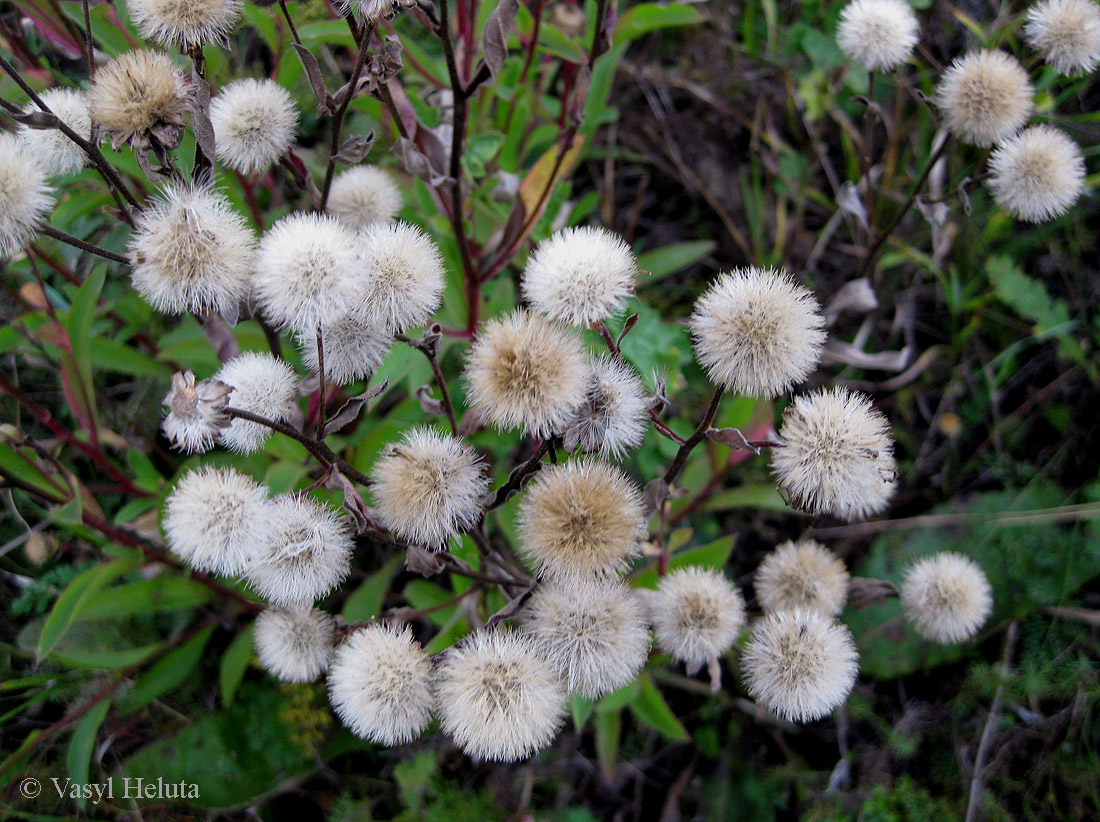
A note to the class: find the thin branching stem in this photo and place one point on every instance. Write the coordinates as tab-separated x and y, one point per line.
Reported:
83	245
697	436
341	113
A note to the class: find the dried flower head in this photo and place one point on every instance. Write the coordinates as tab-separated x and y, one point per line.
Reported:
1067	32
372	10
428	488
255	122
185	23
803	574
196	412
380	685
402	277
800	665
595	633
191	252
264	385
294	644
1038	174
611	418
947	597
985	97
352	349
51	147
580	275
497	698
138	97
214	520
757	332
836	456
25	199
306	552
307	272
526	371
697	615
878	34
364	195
581	518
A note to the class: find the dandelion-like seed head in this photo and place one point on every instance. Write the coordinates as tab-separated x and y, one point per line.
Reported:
306	272
1067	33
580	275
946	597
372	10
364	195
352	349
255	122
306	552
185	23
526	371
1038	174
139	96
800	665
581	518
25	199
757	332
803	574
402	277
985	97
611	418
595	633
428	488
264	385
837	455
380	685
294	644
196	412
214	520
51	147
697	615
878	34
192	252
498	699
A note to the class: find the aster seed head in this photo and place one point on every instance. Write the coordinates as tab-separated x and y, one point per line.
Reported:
51	147
255	123
697	615
196	412
25	199
402	277
985	97
878	34
611	419
263	385
946	597
1067	33
185	23
1038	174
803	574
353	349
364	195
294	644
139	97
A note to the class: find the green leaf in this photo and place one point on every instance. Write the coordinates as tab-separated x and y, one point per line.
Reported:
111	355
651	709
609	727
620	698
647	17
169	672
164	593
581	709
1026	296
234	664
712	555
82	745
662	262
366	600
20	467
75	598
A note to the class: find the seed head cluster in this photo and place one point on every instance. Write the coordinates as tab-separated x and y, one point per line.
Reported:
1038	174
1067	33
878	34
294	644
985	97
803	574
697	615
255	122
946	597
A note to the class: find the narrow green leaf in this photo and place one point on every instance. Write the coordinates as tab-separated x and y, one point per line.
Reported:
661	262
651	709
75	598
169	672
581	709
166	593
609	727
82	745
234	664
366	600
647	17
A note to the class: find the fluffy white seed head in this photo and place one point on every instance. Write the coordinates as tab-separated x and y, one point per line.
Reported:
185	23
352	349
580	275
306	552
878	34
985	97
612	417
757	332
697	615
1038	174
402	277
25	199
428	488
524	371
138	94
214	520
196	412
380	685
364	195
264	385
498	699
372	10
581	518
191	252
946	597
1067	32
294	644
255	122
595	633
836	456
307	272
50	147
803	574
800	665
